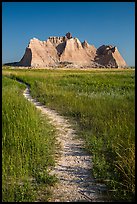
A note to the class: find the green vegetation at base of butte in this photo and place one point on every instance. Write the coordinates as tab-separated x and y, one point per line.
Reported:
101	105
28	147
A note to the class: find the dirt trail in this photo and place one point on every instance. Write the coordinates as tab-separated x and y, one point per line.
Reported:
73	167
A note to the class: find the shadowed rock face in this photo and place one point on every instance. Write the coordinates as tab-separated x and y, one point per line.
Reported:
71	52
109	56
27	58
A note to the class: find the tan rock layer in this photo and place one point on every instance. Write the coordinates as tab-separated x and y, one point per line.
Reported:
68	50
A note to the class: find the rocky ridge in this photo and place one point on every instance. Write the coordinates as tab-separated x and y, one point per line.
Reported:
68	51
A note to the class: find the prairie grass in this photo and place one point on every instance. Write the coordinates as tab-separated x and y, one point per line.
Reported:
28	147
101	105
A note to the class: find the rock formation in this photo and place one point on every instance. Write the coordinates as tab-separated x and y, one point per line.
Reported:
69	51
109	56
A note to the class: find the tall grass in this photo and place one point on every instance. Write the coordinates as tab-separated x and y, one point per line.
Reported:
101	106
28	147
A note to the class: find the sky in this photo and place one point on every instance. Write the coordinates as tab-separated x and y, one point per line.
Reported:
108	23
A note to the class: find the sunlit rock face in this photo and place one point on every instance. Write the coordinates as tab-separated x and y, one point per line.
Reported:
70	52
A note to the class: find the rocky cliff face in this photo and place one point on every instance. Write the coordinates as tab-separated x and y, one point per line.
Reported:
109	56
69	51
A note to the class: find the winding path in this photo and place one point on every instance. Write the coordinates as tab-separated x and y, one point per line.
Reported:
73	166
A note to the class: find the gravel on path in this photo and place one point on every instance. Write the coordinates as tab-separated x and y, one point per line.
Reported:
73	166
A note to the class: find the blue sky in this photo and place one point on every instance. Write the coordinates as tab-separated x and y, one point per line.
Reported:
109	23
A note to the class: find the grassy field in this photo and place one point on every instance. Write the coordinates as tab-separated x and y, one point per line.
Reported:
28	147
101	105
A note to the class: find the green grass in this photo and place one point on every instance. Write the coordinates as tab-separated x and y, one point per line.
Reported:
101	105
28	147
